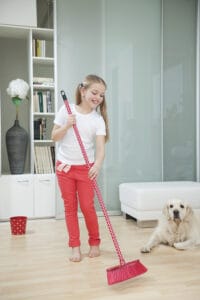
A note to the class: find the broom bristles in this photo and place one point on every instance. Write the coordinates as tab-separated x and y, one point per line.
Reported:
123	272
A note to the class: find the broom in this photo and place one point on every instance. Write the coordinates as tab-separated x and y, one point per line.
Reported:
125	270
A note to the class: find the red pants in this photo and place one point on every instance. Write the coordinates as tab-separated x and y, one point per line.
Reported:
75	186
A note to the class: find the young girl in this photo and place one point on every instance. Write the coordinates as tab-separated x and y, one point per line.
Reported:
74	179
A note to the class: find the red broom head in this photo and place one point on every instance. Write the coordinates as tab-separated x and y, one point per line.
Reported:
123	272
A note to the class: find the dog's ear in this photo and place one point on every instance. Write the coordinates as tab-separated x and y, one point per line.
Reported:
189	212
165	211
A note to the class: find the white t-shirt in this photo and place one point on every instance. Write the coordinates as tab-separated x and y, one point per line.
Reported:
89	126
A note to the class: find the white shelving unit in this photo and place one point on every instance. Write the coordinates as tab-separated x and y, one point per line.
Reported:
29	194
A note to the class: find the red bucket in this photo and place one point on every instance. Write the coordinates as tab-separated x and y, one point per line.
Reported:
18	225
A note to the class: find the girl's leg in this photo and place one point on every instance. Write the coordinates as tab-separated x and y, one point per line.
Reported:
68	192
86	200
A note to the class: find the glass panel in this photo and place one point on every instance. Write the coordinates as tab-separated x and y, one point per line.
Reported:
132	39
179	144
79	50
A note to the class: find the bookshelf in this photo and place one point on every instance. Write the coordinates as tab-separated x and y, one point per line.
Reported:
43	100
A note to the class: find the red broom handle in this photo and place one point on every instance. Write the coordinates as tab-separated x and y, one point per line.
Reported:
95	185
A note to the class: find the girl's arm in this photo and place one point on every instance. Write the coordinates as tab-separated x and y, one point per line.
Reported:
58	132
100	154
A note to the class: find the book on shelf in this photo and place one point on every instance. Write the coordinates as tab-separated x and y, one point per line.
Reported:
42	101
39	48
36	107
52	150
43	82
36	162
42	48
40	80
40	129
50	158
49	101
44	162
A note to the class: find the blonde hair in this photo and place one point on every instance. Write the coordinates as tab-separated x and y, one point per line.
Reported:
87	82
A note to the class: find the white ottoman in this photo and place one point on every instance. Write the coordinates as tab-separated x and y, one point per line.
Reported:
144	201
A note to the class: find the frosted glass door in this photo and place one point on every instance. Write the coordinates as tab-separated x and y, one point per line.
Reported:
132	63
179	88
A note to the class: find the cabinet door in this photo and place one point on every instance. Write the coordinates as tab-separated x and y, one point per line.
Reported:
16	196
26	12
44	195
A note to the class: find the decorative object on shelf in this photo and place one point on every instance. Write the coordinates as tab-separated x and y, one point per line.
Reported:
16	136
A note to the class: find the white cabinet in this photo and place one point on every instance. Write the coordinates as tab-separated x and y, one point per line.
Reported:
44	195
16	196
18	12
28	195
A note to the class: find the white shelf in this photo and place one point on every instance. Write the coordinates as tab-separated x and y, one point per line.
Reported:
43	141
43	60
43	33
44	114
14	32
42	87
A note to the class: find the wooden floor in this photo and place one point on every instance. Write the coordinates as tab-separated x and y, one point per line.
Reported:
36	266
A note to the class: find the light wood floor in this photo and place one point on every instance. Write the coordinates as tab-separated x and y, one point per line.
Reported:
36	266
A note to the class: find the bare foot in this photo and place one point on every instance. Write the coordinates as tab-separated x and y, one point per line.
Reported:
94	251
76	254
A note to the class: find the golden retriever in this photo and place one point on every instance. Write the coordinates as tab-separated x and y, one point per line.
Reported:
178	227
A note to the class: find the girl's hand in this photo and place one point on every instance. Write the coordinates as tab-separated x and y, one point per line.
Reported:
71	120
58	132
93	172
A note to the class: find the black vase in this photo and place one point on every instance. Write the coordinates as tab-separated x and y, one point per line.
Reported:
16	143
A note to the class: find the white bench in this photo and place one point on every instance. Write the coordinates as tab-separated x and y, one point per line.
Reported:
144	201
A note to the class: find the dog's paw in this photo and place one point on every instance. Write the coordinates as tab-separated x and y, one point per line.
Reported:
145	249
178	246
